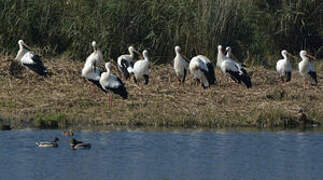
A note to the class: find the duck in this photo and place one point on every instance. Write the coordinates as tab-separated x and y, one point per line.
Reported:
75	145
68	133
48	143
304	121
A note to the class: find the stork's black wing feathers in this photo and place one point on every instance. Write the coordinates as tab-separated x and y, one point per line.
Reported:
313	76
211	74
37	66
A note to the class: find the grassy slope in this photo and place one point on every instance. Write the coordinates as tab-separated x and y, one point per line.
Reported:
67	98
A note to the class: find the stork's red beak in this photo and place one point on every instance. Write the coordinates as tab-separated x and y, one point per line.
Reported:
24	44
312	57
289	54
137	52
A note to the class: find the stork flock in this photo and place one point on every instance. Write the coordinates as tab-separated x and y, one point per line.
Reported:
199	66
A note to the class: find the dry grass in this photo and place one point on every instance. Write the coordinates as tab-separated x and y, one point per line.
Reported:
162	103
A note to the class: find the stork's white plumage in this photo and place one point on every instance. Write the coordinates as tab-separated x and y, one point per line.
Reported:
126	60
305	67
30	60
230	55
199	71
141	69
180	65
233	69
210	69
90	71
283	67
111	83
96	57
219	59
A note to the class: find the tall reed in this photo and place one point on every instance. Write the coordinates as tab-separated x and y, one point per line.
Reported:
257	30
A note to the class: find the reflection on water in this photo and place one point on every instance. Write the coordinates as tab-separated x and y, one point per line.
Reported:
163	155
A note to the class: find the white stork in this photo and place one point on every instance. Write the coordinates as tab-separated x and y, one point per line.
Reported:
233	69
180	65
126	60
305	67
210	69
141	69
96	57
90	71
199	71
30	60
284	68
111	83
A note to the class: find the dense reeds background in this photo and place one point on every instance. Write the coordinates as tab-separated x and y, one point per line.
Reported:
256	29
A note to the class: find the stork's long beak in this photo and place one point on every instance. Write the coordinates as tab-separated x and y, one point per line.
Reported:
24	44
289	54
114	64
188	60
310	56
137	53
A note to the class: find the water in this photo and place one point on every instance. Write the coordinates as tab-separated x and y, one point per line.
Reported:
163	155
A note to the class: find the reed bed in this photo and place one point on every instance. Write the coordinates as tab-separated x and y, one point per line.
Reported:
66	99
257	30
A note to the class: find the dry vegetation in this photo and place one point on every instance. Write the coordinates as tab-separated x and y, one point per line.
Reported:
65	99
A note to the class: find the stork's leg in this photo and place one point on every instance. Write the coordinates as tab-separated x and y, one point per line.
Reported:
110	100
94	91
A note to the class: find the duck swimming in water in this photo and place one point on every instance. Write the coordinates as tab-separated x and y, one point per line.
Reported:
48	143
75	144
68	133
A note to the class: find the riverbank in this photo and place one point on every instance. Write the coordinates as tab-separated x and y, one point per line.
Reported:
65	99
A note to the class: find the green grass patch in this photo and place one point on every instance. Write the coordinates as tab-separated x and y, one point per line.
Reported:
51	121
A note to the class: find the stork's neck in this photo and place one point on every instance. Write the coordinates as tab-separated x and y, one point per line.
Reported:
94	49
285	57
304	58
146	57
106	75
228	54
219	58
21	52
132	54
178	54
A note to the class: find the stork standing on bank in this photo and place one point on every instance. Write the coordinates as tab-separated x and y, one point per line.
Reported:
236	72
140	69
180	65
199	71
126	60
284	68
210	69
306	69
91	71
111	83
30	60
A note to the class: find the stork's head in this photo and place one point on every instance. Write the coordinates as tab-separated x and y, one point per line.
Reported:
108	65
145	53
177	49
227	49
284	52
131	49
21	42
302	53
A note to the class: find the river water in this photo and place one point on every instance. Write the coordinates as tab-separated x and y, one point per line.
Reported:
177	154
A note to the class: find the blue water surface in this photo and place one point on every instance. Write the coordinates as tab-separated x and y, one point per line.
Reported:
137	154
